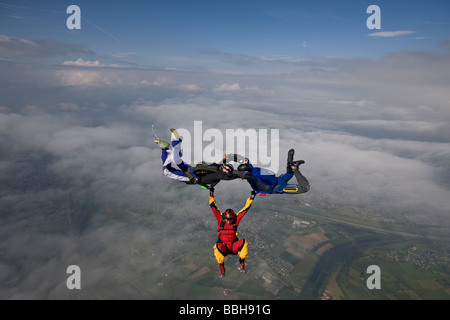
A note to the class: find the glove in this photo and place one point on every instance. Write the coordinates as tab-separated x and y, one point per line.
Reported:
211	192
253	194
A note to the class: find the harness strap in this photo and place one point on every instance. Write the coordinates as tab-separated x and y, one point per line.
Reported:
191	177
232	243
222	225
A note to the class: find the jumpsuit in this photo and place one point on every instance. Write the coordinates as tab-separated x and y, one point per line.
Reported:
228	242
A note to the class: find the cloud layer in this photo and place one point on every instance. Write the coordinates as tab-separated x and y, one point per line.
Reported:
82	175
390	34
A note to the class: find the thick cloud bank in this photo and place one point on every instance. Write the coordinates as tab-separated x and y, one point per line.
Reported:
81	177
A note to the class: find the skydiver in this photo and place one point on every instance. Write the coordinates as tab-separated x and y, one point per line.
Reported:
227	241
212	173
265	181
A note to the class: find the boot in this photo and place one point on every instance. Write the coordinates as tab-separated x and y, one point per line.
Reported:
222	270
296	164
174	135
290	157
241	268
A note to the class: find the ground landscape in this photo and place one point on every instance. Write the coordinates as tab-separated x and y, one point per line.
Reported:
297	251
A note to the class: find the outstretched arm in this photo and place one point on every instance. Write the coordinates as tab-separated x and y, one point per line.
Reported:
247	206
258	183
234	157
213	205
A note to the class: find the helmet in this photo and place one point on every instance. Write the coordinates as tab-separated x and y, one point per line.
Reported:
229	214
244	167
228	167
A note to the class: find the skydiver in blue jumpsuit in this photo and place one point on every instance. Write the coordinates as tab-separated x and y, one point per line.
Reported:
265	181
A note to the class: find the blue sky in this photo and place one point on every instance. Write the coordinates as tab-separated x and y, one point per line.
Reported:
186	33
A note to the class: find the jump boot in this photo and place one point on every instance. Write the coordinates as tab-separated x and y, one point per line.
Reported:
290	157
241	268
222	270
296	164
175	136
290	160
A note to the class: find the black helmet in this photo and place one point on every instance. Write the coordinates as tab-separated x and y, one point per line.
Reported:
244	167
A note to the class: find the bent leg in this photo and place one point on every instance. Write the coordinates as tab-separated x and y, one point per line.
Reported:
303	183
168	170
301	187
240	248
178	154
282	181
243	251
174	174
219	256
165	153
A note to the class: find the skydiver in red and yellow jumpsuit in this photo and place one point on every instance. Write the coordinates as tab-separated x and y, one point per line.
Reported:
227	225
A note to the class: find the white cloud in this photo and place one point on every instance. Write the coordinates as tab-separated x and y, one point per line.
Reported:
398	125
390	34
359	104
228	87
116	162
90	64
161	80
87	78
190	87
32	110
370	114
